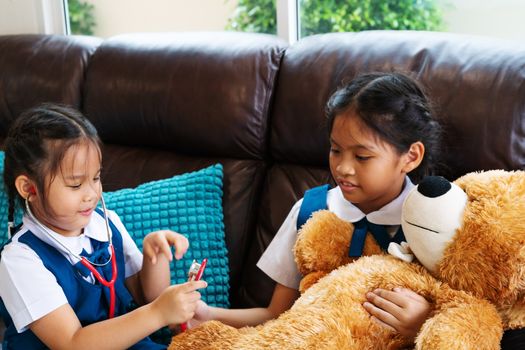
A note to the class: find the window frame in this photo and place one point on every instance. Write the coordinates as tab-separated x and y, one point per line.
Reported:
54	17
288	20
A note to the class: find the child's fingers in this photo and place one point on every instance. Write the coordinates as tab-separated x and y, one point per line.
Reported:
389	301
165	249
150	253
161	242
179	242
189	287
409	293
380	316
193	298
155	244
383	324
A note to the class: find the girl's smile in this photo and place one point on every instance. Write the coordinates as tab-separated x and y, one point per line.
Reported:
346	186
86	212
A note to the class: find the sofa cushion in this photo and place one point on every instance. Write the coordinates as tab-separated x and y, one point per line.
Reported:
41	68
193	93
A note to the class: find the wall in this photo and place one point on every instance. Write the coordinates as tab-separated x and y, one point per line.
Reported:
32	16
496	18
119	16
125	16
20	16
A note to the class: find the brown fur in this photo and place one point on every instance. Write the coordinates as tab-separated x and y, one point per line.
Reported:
491	263
329	237
480	290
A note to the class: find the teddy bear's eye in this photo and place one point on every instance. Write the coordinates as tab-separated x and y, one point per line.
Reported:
424	228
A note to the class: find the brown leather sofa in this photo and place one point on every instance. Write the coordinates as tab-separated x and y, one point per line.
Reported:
169	103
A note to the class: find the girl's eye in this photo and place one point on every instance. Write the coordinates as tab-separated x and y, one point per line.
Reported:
96	179
334	150
75	186
362	158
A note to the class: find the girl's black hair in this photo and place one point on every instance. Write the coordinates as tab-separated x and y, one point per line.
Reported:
36	144
394	106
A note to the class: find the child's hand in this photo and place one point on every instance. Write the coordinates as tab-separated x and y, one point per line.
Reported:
159	242
401	309
177	303
202	314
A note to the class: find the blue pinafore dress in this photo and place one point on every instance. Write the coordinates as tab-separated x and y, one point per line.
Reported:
89	301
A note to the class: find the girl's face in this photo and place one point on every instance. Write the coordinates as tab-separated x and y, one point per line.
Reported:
73	193
369	171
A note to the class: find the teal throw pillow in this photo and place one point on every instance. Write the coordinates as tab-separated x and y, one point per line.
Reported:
4	205
190	204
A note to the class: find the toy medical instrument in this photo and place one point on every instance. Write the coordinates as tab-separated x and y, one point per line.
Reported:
90	265
194	274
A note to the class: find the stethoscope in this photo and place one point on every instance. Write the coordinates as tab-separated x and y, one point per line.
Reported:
84	261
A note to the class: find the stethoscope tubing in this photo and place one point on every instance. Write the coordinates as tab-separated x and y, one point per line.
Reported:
110	284
66	248
84	261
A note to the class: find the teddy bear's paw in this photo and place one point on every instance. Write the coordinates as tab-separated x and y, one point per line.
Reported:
452	327
310	280
322	243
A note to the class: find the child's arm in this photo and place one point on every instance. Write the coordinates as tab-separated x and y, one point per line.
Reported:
400	309
175	305
154	276
282	299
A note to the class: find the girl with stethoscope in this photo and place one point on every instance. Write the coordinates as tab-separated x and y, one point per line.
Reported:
71	270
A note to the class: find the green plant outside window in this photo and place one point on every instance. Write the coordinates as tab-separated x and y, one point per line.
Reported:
324	16
81	17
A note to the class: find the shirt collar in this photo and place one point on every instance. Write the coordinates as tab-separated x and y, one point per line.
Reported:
95	229
390	214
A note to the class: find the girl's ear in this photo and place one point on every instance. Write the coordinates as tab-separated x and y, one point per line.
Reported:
414	156
25	187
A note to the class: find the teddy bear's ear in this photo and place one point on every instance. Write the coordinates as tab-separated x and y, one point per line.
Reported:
486	183
487	256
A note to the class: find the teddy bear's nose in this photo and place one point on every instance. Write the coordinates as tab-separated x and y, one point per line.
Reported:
434	186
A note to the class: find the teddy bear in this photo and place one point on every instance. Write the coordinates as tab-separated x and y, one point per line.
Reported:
465	254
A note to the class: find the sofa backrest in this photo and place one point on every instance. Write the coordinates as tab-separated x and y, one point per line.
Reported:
41	68
165	104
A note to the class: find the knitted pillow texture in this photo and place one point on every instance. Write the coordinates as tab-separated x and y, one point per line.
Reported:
190	204
4	205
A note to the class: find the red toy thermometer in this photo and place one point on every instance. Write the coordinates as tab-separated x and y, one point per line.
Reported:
194	274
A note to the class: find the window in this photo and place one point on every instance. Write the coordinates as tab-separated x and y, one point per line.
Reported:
357	15
494	18
290	19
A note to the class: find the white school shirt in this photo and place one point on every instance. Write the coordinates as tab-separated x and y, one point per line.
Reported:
29	290
278	261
